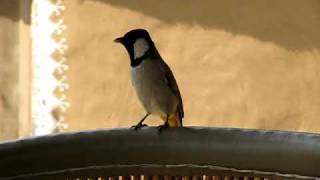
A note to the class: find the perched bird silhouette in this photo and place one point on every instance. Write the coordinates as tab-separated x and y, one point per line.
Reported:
153	80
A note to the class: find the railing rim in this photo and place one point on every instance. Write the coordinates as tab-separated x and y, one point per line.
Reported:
195	149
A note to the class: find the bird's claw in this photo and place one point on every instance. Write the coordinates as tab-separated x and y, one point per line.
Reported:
163	127
138	126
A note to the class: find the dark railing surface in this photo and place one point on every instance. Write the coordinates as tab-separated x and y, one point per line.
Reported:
190	153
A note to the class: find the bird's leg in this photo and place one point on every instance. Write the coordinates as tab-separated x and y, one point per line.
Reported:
165	125
140	125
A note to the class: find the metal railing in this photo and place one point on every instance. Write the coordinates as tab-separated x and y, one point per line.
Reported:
176	153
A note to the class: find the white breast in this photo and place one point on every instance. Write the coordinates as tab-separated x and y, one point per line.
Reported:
140	47
144	82
152	91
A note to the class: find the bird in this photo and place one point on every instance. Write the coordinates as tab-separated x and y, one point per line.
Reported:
153	80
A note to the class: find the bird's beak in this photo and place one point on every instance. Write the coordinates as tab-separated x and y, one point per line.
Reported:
119	40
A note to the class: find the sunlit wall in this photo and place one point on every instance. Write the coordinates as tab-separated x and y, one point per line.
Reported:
250	64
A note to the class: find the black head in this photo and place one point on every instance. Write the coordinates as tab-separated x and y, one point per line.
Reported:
138	44
130	37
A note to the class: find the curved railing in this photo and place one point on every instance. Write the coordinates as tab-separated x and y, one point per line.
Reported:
178	152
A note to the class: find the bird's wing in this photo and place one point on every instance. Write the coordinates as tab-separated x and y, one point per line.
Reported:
171	81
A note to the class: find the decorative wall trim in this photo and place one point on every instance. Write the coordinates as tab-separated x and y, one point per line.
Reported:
49	78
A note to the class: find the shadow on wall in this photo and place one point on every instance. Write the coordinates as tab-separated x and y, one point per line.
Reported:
293	24
9	10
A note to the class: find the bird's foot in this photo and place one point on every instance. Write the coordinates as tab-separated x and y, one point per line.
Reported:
138	126
163	127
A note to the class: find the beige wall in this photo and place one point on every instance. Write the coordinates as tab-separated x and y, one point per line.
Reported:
14	69
250	64
9	36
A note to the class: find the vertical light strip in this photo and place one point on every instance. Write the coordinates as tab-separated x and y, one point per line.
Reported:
25	69
45	82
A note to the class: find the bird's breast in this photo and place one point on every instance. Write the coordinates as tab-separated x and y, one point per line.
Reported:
144	78
151	88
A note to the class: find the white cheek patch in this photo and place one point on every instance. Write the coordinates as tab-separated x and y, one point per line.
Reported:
140	47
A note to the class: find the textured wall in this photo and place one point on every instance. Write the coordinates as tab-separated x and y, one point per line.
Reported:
253	64
9	38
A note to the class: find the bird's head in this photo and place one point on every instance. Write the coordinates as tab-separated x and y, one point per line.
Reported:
137	42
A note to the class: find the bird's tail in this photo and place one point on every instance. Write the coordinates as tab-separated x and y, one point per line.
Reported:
173	120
